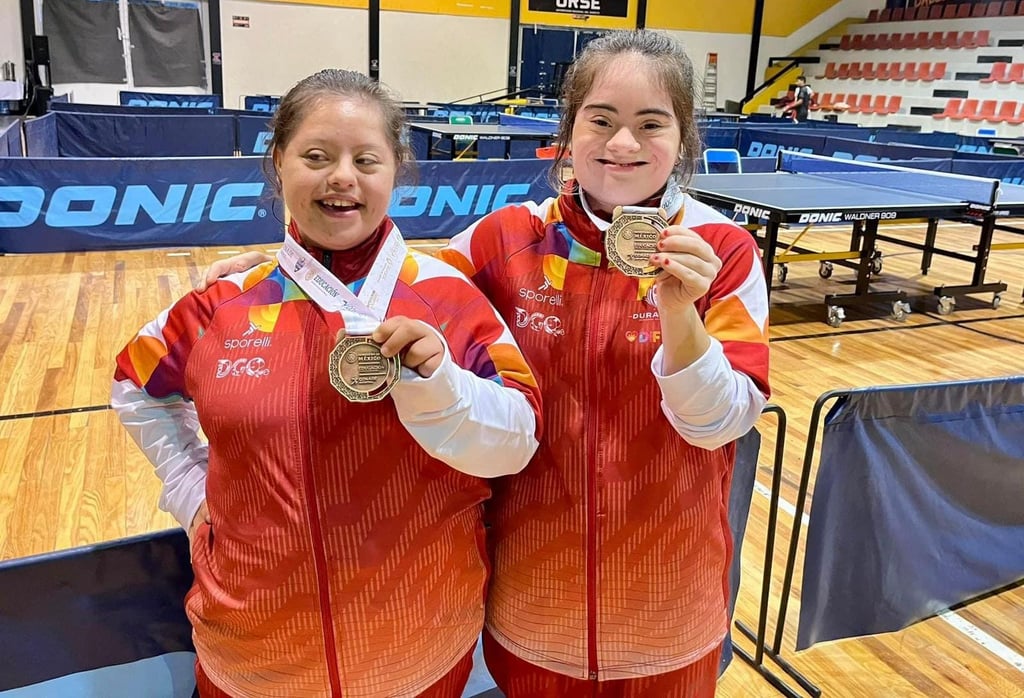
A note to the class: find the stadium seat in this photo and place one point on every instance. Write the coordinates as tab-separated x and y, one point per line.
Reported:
1009	8
920	40
923	71
862	106
949	11
1019	118
884	42
906	72
868	73
906	41
873	16
1016	73
895	102
935	12
936	40
963	10
1007	111
830	72
855	71
884	72
951	40
993	9
844	42
885	15
978	9
897	14
825	102
981	39
857	42
843	71
836	101
967	110
877	105
998	73
987	112
952	107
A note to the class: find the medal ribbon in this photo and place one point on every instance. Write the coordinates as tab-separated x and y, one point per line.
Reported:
361	313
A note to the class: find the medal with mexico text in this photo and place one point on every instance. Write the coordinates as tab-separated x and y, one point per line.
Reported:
360	372
633	237
356	367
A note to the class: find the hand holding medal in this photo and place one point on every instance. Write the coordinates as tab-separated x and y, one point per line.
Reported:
633	237
416	343
366	368
359	370
690	264
359	367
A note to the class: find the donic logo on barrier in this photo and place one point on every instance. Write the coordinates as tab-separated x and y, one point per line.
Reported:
474	199
78	206
262	141
180	103
758	149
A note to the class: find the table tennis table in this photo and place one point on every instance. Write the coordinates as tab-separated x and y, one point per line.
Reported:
430	138
810	190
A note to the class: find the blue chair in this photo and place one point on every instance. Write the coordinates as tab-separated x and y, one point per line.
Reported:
722	161
464	145
725	161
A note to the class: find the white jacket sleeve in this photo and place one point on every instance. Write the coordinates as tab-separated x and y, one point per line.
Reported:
475	425
168	433
709	403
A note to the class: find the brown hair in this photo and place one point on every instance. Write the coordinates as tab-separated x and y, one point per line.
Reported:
333	82
674	73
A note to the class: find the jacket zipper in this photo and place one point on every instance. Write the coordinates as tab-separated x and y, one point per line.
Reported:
313	510
593	334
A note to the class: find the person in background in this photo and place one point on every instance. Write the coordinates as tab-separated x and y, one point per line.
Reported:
336	527
611	550
799	109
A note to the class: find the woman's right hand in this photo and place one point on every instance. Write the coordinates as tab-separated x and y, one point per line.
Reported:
231	265
202	516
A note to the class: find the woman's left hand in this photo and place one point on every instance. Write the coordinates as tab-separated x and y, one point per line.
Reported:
414	341
690	265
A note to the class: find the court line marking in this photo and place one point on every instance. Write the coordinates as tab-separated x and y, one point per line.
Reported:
53	413
956	621
982	638
783	504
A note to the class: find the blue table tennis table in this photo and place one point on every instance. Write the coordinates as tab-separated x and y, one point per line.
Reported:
814	190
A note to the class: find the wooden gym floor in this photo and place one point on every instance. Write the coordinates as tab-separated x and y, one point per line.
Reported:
69	476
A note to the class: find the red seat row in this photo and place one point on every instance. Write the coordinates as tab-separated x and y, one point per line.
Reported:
911	71
983	110
914	40
1006	73
859	104
949	10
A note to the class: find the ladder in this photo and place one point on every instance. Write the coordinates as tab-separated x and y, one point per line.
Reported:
711	82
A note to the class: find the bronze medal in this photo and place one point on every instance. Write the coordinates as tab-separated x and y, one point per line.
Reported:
360	372
632	239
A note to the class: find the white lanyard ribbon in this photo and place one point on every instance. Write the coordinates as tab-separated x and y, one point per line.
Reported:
672	201
361	313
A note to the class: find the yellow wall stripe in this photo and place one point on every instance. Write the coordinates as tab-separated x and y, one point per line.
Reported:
781	17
